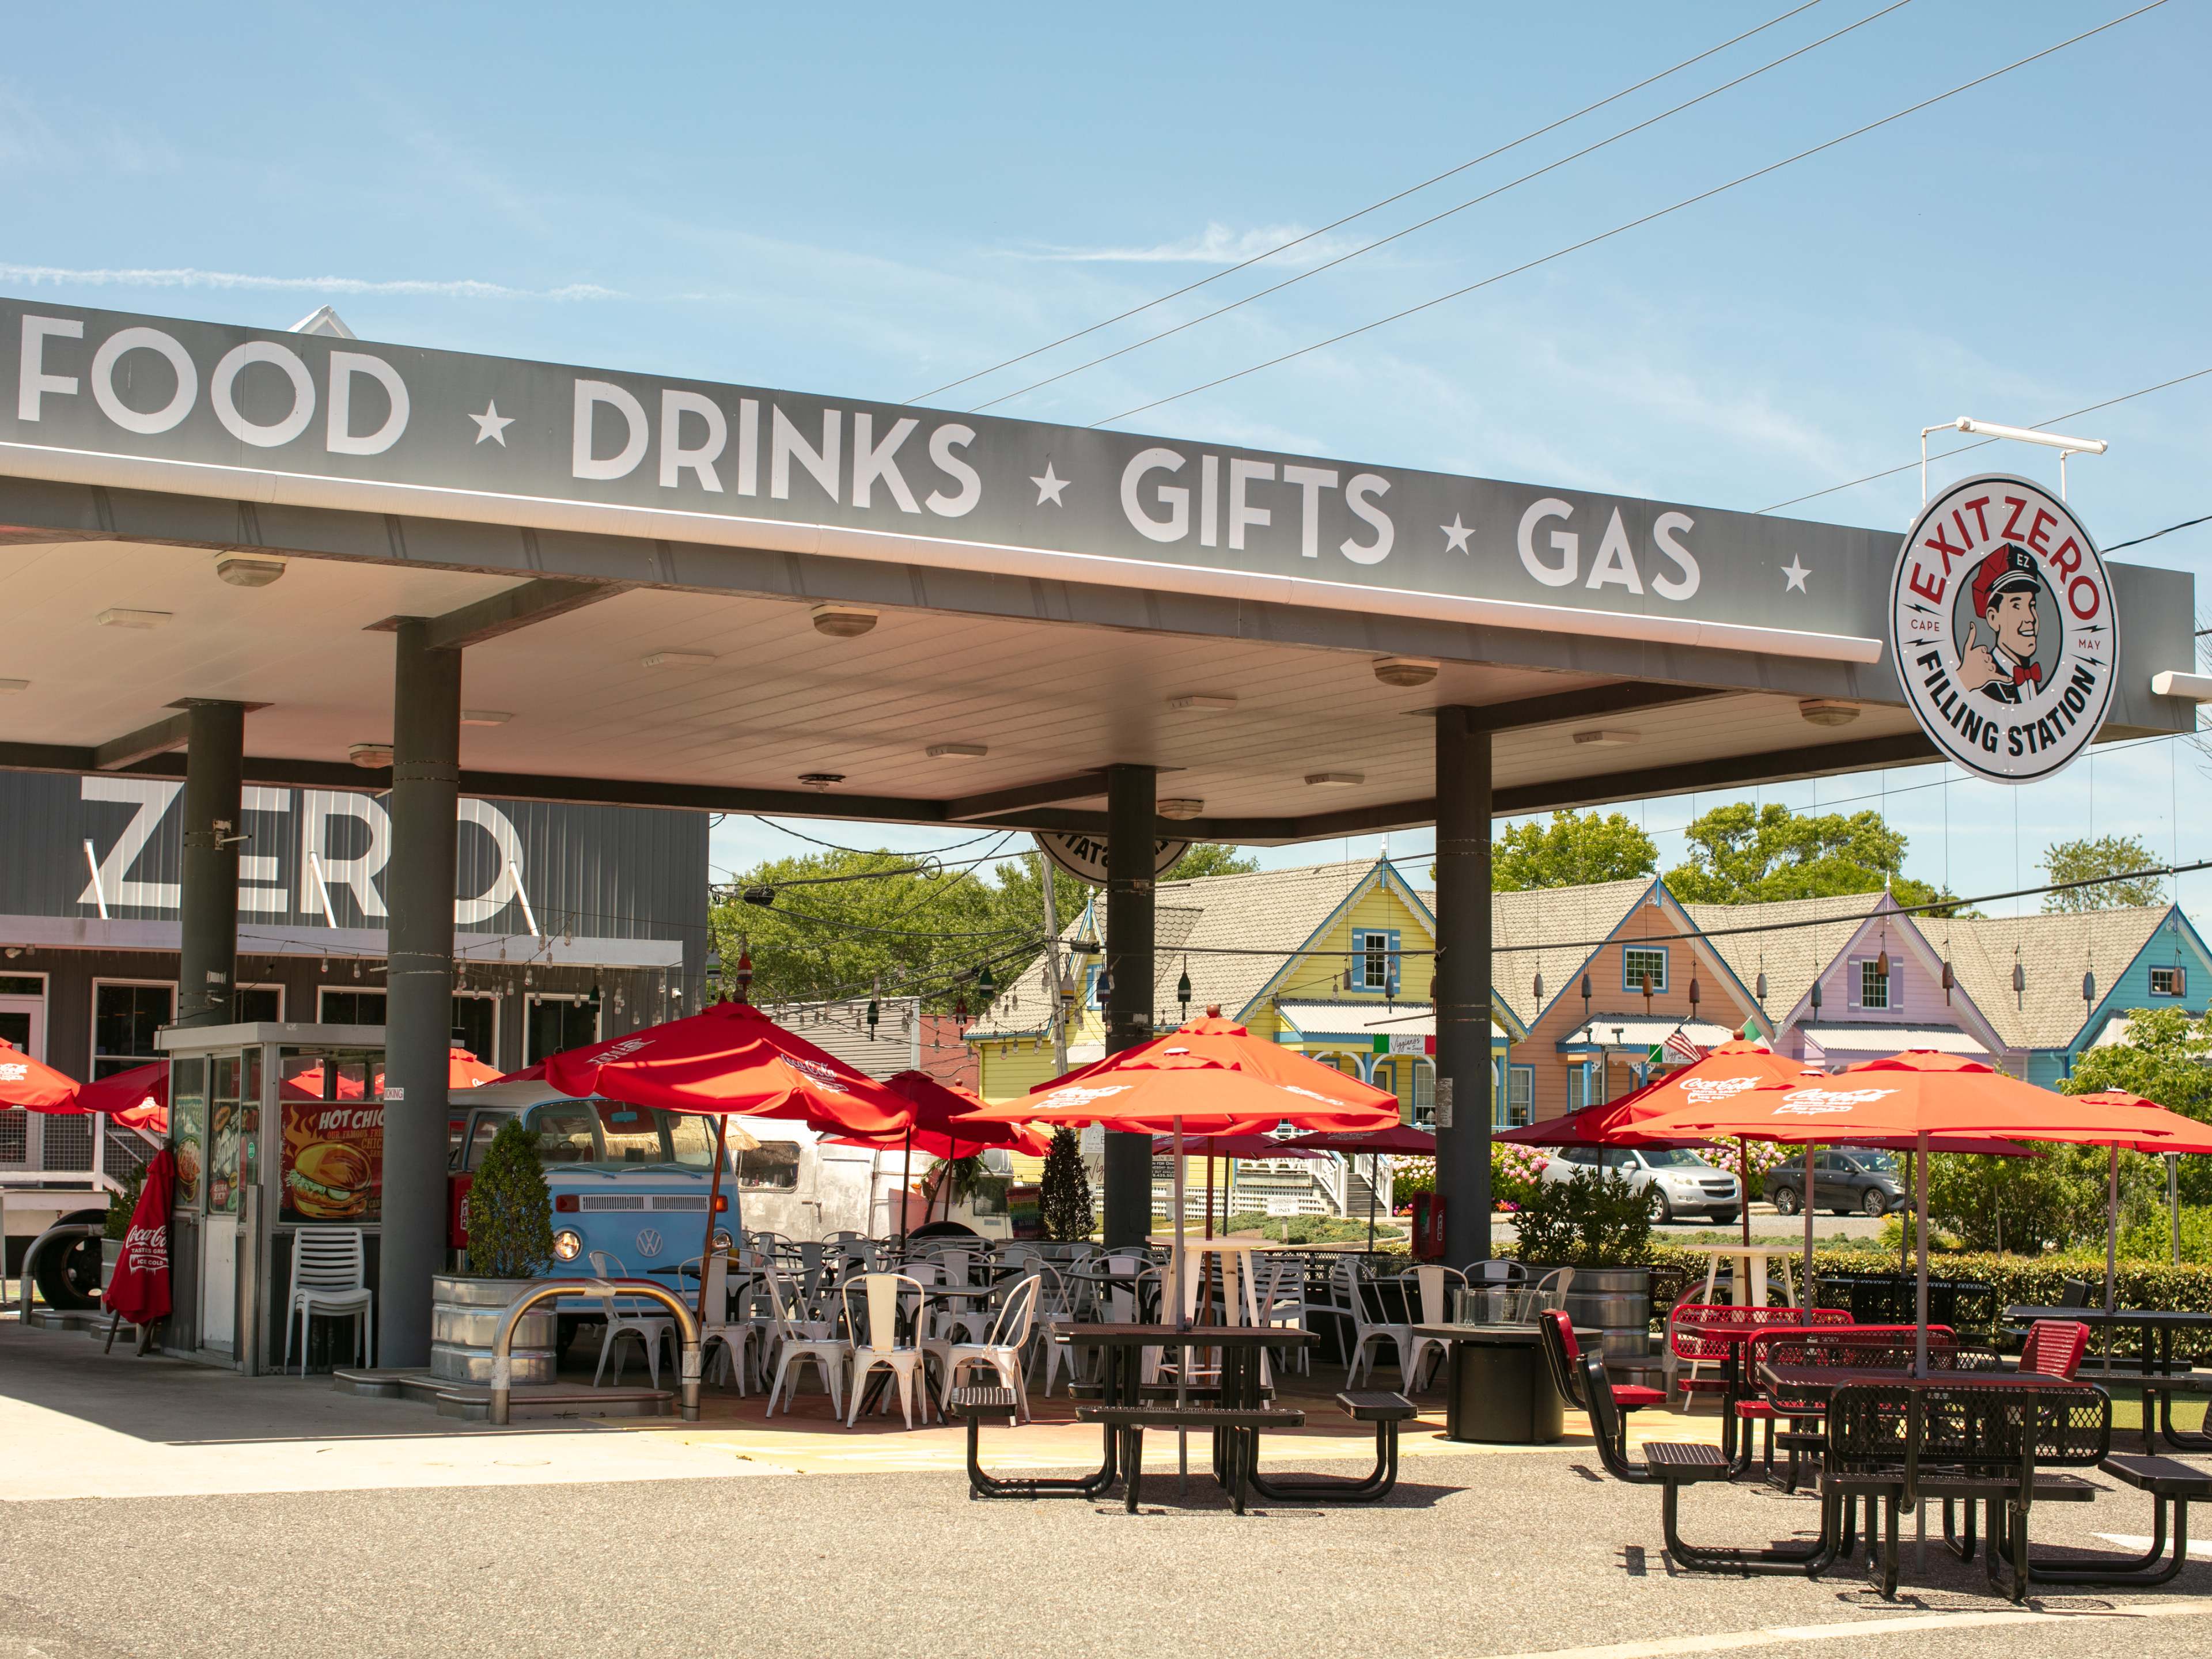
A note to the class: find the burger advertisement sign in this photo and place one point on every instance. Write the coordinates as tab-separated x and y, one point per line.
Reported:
332	1165
2003	621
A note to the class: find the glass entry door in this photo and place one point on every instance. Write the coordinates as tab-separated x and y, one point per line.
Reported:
22	1023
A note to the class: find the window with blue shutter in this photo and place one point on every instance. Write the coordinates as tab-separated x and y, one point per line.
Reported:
1375	959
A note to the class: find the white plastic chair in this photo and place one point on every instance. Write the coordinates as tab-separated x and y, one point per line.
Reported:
329	1277
1002	1350
800	1342
648	1328
883	1348
1428	1287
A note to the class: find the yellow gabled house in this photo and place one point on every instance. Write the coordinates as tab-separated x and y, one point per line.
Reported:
1333	960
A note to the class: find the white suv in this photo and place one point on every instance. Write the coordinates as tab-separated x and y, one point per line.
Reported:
1683	1178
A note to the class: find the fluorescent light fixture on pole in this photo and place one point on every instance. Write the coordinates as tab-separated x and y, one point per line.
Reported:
2024	435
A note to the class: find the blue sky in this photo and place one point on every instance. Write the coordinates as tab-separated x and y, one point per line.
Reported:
873	202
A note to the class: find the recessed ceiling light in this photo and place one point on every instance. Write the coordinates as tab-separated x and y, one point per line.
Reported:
118	618
242	572
1335	780
821	780
370	756
843	622
15	685
1405	671
485	717
677	659
1606	739
1180	807
1827	711
957	751
1200	704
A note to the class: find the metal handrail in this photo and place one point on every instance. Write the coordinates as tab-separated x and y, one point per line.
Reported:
549	1290
60	1229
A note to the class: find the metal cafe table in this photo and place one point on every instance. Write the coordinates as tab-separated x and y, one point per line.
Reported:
2160	1377
1498	1389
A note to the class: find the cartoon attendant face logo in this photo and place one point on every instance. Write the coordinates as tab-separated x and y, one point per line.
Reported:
2006	595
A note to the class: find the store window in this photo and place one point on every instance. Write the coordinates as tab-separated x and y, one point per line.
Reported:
253	1004
1637	961
1874	985
124	1018
554	1023
335	1007
476	1017
2169	981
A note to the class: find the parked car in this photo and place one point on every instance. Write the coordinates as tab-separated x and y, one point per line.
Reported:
1683	1179
1844	1179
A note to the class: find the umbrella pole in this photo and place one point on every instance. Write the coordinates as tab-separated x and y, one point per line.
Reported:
1373	1159
1743	1178
1209	1195
2173	1200
1904	1232
1920	1292
2111	1223
906	1184
713	1192
1805	1302
1183	1356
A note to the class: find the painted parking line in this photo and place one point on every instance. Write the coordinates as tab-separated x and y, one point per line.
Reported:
1769	1635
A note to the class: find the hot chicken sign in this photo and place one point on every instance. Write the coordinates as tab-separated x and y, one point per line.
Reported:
2003	621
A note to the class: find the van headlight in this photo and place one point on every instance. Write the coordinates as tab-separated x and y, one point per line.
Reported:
722	1239
568	1244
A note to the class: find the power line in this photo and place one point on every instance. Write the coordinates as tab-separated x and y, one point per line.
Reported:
2072	414
1437	218
2186	524
1635	223
1372	207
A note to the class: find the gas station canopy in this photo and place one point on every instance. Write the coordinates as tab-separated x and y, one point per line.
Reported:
675	592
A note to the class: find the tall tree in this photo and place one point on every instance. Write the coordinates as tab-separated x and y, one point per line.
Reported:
2107	855
2162	1060
1741	853
1573	850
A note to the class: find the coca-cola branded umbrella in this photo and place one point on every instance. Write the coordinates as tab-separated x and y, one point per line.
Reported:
1920	1095
32	1085
728	1060
139	1290
1399	1140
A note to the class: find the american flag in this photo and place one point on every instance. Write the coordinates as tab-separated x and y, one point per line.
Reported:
1680	1043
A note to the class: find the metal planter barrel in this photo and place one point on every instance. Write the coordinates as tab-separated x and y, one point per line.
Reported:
464	1316
1616	1302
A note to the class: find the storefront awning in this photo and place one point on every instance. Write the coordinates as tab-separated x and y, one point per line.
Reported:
1637	1032
1870	1039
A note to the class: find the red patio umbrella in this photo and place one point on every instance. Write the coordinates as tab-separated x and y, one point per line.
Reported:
2177	1143
1919	1094
728	1060
944	1126
1402	1139
137	1099
1211	1147
34	1087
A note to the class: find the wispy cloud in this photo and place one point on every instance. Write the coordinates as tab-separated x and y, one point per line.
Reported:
191	276
1218	245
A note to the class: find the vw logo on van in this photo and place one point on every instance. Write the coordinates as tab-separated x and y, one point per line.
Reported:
648	1243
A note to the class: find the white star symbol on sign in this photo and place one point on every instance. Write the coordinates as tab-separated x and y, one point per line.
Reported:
1048	488
1456	535
492	424
1793	576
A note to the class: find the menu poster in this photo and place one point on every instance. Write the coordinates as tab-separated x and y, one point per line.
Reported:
331	1161
187	1138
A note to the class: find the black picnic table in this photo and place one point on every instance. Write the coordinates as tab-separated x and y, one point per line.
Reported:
2161	1375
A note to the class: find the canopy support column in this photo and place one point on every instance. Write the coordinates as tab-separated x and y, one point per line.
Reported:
1131	827
426	752
1462	981
215	764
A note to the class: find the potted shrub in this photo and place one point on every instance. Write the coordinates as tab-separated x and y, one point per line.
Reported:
121	1206
509	1218
1600	1226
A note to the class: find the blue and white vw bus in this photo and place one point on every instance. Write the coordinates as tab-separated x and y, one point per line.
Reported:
632	1181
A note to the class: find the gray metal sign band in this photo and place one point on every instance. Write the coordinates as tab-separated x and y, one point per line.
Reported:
193	408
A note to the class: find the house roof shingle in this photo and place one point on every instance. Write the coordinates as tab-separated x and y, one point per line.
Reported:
1801	938
2054	952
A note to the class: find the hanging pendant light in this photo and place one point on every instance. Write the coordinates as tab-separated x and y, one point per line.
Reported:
1816	999
2089	988
1758	990
875	1010
744	972
1947	981
1536	988
1693	996
985	986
